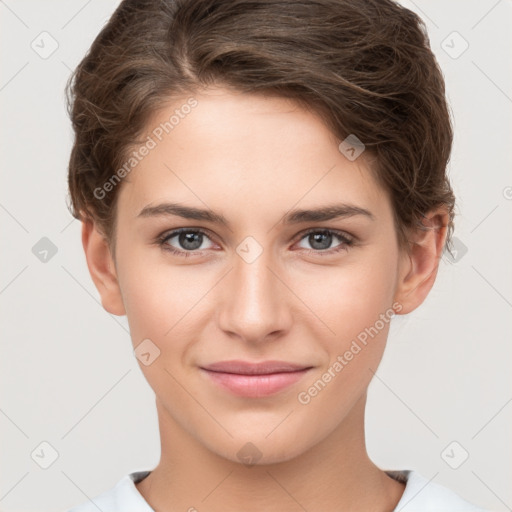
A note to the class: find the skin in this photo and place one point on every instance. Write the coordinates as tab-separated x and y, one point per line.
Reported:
252	159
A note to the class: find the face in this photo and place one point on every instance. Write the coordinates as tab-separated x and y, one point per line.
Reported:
246	235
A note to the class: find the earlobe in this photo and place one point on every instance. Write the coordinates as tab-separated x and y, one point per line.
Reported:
418	268
101	267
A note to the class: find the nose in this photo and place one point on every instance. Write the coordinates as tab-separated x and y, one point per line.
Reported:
255	304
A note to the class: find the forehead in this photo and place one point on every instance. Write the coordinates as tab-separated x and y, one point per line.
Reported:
240	150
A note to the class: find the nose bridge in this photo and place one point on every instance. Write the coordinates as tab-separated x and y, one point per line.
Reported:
254	305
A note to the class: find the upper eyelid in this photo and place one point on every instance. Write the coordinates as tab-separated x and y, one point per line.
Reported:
167	235
339	232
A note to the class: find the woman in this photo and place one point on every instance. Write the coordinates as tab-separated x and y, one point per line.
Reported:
262	187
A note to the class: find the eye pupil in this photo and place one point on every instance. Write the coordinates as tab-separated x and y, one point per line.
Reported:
324	239
190	240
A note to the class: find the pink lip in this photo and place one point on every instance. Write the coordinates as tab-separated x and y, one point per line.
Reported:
255	379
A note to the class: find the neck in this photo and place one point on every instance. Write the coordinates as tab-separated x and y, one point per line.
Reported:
335	474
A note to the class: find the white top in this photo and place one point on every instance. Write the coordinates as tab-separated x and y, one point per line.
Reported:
420	495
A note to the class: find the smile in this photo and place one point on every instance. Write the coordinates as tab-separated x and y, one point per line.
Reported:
254	379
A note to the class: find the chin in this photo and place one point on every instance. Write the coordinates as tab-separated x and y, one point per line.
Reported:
259	452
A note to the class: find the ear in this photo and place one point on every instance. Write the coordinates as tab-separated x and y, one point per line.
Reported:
101	267
418	268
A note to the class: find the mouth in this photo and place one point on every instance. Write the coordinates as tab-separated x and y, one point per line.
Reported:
255	379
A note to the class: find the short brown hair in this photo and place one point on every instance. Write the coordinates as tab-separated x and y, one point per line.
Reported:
365	66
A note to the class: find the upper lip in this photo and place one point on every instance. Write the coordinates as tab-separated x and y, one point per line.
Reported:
248	368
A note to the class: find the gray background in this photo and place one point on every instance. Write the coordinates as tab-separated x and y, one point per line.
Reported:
68	374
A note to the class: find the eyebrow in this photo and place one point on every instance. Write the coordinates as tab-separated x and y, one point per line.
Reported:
292	217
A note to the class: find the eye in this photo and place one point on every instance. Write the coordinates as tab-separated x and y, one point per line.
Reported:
321	241
184	241
188	242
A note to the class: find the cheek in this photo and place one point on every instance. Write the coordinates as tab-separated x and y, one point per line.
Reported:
160	301
351	297
356	305
159	298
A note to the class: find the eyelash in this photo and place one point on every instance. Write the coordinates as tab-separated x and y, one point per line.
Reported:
346	240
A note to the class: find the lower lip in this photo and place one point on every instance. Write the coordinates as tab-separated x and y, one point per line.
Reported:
255	385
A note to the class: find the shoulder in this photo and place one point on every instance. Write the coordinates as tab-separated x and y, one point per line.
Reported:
422	495
123	496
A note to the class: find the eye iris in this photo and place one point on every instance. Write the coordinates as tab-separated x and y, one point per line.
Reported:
190	240
324	239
